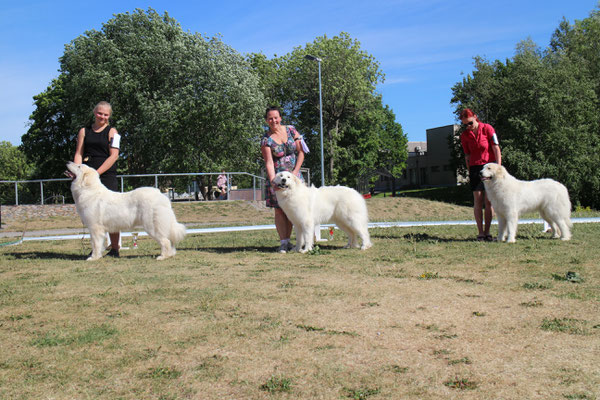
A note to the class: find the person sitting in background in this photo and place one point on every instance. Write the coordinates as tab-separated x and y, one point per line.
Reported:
222	185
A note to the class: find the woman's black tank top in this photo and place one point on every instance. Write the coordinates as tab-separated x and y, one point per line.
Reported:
96	149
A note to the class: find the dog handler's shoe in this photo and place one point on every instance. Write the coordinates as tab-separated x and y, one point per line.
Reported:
283	248
113	253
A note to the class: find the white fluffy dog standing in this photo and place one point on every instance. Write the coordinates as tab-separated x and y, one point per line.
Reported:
102	210
511	197
308	207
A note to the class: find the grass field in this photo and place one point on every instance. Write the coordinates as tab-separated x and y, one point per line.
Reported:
427	313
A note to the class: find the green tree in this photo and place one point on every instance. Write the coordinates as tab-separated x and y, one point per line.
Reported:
13	163
544	108
392	152
353	115
50	139
580	42
181	101
13	166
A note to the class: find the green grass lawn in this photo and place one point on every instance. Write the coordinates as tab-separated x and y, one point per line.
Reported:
427	313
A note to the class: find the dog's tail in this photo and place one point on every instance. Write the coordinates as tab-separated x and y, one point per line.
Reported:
177	233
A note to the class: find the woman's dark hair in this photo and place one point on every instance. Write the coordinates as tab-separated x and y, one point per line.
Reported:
272	108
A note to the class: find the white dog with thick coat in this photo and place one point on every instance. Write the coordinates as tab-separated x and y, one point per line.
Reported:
102	210
511	197
308	207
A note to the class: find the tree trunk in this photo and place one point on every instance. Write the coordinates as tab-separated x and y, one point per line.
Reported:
202	187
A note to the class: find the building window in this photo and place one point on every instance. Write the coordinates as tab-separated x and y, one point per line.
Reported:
448	167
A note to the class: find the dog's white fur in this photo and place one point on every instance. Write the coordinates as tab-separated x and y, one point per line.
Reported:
511	197
308	207
102	210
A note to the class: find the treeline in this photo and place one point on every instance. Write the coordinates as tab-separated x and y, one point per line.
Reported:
188	103
184	102
544	105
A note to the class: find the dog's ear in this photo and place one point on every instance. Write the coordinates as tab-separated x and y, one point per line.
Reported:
501	171
88	176
85	177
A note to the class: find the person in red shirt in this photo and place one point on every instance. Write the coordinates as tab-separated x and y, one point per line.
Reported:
480	144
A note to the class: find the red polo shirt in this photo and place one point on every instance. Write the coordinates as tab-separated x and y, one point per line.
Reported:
478	144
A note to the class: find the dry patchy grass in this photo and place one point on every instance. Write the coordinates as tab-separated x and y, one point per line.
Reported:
427	313
197	214
243	213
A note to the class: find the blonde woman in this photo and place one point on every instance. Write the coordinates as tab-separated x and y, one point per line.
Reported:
98	147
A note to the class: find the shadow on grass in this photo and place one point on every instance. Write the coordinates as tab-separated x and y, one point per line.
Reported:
46	255
422	237
51	255
255	249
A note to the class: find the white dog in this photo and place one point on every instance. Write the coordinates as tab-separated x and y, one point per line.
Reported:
511	197
308	207
102	210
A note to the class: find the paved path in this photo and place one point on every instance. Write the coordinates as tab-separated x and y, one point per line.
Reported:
36	211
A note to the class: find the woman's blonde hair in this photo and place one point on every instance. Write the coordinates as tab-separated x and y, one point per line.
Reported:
103	104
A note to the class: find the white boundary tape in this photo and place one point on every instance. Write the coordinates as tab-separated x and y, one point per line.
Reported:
267	227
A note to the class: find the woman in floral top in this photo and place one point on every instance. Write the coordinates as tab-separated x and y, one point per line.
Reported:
282	151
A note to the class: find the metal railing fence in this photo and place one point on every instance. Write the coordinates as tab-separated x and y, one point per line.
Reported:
255	179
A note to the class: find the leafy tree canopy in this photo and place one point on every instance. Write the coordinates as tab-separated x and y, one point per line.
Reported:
13	167
13	163
359	131
181	101
544	105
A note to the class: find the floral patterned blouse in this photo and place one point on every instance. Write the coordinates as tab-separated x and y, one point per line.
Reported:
284	158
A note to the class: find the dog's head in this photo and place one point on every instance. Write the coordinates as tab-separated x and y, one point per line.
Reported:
285	180
491	171
81	174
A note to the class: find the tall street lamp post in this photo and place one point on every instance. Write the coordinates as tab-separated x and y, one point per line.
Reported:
313	58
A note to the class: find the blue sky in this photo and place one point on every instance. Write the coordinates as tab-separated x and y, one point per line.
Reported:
423	46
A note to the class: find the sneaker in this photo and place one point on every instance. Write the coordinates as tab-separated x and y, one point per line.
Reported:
113	253
283	248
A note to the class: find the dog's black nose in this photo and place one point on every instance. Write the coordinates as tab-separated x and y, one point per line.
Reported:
283	180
